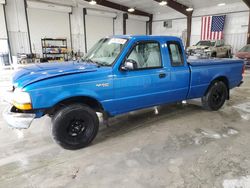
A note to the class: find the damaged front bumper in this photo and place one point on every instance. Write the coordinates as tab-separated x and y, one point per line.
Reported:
16	119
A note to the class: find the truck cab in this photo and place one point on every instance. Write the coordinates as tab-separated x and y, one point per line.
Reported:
150	71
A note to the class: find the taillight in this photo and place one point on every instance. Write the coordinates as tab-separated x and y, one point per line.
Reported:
243	69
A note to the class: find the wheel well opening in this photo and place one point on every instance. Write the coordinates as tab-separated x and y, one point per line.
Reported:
91	102
222	79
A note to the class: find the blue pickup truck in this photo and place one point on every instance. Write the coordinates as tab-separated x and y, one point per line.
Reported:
118	75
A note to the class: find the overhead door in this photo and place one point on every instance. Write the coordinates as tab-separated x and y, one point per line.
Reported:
136	25
98	25
47	24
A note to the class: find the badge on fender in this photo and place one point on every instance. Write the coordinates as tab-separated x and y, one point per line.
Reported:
102	85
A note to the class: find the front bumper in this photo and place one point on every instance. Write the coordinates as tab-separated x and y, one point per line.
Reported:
17	120
202	54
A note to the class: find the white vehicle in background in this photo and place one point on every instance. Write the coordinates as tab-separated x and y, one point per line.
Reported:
210	48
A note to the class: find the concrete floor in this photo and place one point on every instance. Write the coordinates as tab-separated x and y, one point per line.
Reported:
182	146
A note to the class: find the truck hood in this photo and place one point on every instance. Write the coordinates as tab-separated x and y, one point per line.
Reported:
243	55
34	73
198	47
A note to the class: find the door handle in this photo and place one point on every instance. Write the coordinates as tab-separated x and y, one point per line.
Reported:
162	75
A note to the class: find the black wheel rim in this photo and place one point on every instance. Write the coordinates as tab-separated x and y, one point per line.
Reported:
218	96
76	128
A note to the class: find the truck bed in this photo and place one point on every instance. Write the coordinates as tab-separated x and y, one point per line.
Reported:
208	62
204	71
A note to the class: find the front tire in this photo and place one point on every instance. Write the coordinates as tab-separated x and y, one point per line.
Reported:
75	126
229	54
215	97
214	55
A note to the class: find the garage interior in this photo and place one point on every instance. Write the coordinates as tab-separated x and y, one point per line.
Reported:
175	145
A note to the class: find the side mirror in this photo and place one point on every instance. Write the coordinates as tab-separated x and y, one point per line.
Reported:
129	64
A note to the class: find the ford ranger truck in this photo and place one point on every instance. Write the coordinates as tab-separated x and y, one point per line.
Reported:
118	75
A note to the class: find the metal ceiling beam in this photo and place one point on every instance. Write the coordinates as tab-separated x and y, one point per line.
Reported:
177	6
247	3
182	9
119	7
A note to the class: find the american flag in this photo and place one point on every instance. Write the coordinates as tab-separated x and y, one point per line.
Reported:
212	27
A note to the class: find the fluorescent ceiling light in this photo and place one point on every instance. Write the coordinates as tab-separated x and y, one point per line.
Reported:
221	4
189	9
131	9
2	2
163	3
92	2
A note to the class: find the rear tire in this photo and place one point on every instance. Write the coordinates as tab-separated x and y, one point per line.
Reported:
75	126
215	97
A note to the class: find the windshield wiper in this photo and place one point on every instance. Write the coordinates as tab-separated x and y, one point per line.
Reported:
96	62
103	64
91	61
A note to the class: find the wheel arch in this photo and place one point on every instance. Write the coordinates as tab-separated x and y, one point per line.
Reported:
214	54
90	101
223	79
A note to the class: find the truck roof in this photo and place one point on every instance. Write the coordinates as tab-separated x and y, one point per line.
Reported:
146	37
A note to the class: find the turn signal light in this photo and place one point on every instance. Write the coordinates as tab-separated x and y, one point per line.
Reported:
22	106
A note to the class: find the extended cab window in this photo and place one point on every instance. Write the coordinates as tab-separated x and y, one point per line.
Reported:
175	53
146	55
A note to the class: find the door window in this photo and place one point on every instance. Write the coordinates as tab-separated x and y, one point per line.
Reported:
218	44
175	53
146	55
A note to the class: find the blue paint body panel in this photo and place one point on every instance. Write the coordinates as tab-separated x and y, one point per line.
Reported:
123	91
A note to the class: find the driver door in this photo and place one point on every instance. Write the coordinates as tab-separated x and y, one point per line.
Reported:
141	87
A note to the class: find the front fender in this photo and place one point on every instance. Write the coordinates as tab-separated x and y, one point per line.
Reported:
48	97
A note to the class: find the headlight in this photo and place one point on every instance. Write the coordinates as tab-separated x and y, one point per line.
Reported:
22	100
207	50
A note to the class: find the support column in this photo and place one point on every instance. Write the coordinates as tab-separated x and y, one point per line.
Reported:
28	27
70	31
248	33
150	25
189	26
124	23
84	25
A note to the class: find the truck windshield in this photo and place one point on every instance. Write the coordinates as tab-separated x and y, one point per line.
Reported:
245	49
105	52
205	43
